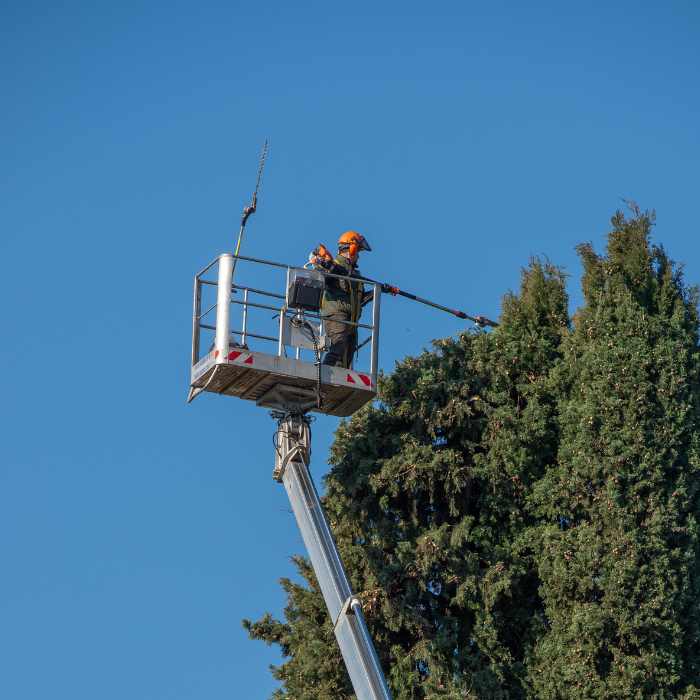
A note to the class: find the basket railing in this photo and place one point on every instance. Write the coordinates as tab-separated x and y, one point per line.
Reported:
223	278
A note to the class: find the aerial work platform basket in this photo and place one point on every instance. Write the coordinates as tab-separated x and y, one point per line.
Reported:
273	356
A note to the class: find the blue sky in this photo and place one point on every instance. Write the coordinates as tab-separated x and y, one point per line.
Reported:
460	137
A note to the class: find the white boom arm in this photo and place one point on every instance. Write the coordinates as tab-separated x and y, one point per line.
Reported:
293	442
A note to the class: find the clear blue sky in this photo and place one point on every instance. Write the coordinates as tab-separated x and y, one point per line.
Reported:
460	137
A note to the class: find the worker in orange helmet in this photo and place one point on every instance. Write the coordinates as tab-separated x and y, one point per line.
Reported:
343	300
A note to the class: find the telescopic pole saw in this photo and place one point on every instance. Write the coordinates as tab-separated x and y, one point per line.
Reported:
252	207
480	321
322	252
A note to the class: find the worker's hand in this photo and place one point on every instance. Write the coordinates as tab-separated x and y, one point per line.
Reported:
388	289
313	258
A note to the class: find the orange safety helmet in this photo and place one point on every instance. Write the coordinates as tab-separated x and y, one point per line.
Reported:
352	242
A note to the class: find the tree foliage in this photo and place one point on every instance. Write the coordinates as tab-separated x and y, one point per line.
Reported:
519	510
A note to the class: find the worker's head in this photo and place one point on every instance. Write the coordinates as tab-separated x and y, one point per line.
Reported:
351	243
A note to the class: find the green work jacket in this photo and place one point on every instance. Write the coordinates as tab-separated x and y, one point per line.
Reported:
342	296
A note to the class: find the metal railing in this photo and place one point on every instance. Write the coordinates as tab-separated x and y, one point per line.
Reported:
229	293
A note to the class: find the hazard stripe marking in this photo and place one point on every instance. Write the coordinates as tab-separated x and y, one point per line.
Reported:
357	378
236	354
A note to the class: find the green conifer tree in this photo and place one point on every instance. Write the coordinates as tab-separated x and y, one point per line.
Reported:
519	509
425	498
618	540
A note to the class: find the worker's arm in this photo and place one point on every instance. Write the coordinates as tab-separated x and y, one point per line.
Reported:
326	265
321	258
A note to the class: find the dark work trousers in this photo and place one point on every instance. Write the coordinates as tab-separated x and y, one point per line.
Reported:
343	340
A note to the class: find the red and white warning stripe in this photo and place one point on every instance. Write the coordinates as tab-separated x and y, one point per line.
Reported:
241	357
358	379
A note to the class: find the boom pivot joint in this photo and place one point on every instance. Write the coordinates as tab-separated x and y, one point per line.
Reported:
292	441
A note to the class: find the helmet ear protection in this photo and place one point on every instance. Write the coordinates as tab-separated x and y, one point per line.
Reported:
352	242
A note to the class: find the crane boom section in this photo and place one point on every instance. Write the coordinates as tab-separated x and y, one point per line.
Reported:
293	440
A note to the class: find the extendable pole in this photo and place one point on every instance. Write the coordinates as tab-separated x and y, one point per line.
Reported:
252	207
293	447
479	320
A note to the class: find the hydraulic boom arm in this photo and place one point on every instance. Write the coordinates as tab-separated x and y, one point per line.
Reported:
293	453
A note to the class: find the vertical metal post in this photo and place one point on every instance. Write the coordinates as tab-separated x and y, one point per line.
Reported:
196	311
297	353
280	345
374	358
244	330
223	306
